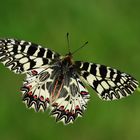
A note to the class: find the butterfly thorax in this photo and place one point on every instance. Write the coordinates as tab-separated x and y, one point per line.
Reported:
66	63
62	71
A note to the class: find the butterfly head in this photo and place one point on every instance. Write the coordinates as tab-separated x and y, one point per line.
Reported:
67	59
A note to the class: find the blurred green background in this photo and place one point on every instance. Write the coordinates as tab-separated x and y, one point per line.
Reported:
113	31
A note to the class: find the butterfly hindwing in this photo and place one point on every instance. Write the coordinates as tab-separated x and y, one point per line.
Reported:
72	104
35	93
109	83
21	56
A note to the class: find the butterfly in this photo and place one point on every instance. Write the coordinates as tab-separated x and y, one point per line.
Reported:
57	82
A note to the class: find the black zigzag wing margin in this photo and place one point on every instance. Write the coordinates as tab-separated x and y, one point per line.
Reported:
109	83
21	56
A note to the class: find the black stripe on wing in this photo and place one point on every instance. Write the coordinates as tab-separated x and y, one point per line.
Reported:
21	56
109	83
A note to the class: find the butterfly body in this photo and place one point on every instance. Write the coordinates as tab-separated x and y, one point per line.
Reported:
55	82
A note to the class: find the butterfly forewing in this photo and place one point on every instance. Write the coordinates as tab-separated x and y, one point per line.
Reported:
21	56
109	83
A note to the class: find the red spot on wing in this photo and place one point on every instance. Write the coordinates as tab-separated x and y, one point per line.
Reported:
83	92
35	96
29	86
67	111
41	98
77	107
61	107
34	72
48	100
30	93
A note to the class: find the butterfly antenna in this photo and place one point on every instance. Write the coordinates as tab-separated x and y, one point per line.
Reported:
68	42
80	47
